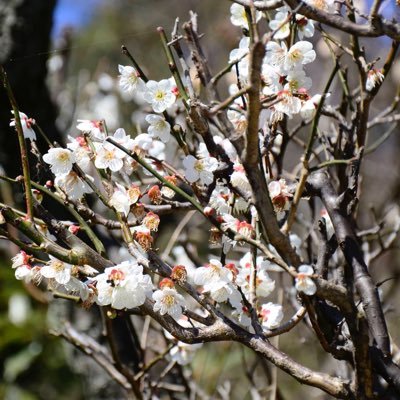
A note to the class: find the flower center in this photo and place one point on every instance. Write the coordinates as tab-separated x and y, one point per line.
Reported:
116	275
293	84
58	266
198	166
296	55
168	300
109	155
64	156
132	78
159	95
160	125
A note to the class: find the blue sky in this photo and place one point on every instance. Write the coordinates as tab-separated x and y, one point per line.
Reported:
73	13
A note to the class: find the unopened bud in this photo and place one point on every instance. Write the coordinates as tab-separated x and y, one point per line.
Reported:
74	229
166	282
209	211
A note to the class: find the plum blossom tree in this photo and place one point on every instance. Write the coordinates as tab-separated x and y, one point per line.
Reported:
272	265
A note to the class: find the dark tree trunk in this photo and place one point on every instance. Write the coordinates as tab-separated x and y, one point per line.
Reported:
25	27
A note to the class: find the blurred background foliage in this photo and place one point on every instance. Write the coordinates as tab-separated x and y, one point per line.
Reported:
83	68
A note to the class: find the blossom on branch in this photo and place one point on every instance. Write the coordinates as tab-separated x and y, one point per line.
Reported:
238	16
57	270
304	282
109	156
159	127
94	129
130	80
160	94
123	286
168	300
26	124
280	195
271	315
73	186
60	160
200	169
374	77
122	199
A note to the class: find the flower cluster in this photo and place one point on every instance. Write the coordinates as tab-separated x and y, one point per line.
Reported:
234	283
282	69
133	176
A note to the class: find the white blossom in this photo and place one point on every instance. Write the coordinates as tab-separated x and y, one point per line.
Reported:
72	185
81	152
308	110
305	26
27	273
304	282
241	227
57	270
123	139
238	16
219	199
272	315
280	195
129	80
159	127
26	124
168	301
60	160
296	80
109	156
93	128
374	77
288	104
123	286
299	54
22	258
159	94
213	276
122	199
201	169
77	287
309	107
271	79
241	51
264	285
238	120
239	179
225	293
278	22
142	143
